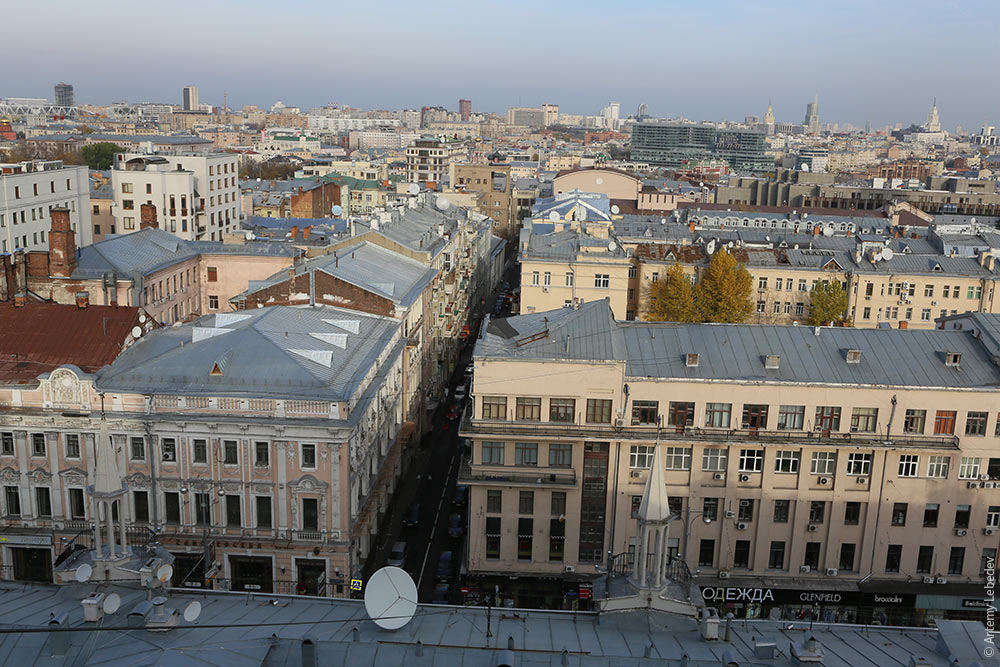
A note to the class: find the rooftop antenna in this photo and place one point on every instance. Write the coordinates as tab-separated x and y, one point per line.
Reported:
391	598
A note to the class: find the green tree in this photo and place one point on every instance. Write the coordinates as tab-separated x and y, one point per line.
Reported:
100	156
723	293
827	303
672	299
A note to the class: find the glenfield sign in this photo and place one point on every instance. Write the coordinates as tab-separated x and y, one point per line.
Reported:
749	594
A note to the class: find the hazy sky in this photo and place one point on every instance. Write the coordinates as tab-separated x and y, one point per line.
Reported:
877	61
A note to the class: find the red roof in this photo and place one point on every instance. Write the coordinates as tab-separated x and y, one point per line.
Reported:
41	337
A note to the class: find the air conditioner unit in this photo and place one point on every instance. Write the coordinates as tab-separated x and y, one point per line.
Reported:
989	485
928	580
861	480
742	525
973	485
545	288
983	478
824	480
571	568
941	581
718	476
805	568
961	532
635	473
989	531
933	303
831	572
619	422
812	528
724	574
744	478
730	514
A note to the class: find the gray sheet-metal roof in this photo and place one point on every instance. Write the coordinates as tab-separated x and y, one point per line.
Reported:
236	629
736	352
313	353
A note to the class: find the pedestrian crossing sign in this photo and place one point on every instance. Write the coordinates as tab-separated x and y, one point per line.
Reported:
355	584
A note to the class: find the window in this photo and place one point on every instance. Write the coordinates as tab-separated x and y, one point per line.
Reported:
263	506
598	411
678	458
562	409
969	468
569	279
899	514
309	455
558	504
77	506
963	514
791	417
754	416
172	506
931	511
230	452
847	552
494	407
529	409
975	423
560	455
893	557
827	418
746	509
714	459
925	558
786	461
525	531
602	280
937	466
944	422
956	560
761	306
310	514
776	557
199	449
126	188
72	446
38	444
782	509
812	555
12	496
43	501
526	454
710	509
492	538
741	554
913	421
494	501
493	453
262	453
534	278
168	446
993	516
234	518
640	456
547	278
823	463
908	465
213	274
706	553
128	222
859	463
680	413
864	420
140	499
751	460
800	307
645	413
762	283
925	314
213	303
6	443
717	415
817	511
138	449
128	205
852	513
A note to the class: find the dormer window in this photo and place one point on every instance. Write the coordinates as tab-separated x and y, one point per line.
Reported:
772	361
952	358
691	359
854	356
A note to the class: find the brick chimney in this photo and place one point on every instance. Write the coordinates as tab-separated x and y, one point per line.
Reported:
82	300
903	324
62	244
295	231
305	233
147	216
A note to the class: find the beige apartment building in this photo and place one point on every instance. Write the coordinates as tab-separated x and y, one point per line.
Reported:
856	465
494	184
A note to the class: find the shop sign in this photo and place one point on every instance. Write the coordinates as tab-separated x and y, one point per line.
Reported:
586	591
27	540
749	594
975	603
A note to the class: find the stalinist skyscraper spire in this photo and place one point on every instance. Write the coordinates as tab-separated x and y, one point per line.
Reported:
933	123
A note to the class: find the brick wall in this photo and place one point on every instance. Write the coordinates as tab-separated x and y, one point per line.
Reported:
317	202
329	291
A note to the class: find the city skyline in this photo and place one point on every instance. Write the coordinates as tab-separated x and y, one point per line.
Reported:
844	70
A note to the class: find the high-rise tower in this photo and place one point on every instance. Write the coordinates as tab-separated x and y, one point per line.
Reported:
64	95
812	116
190	98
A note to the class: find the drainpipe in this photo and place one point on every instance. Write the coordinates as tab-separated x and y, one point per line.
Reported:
154	505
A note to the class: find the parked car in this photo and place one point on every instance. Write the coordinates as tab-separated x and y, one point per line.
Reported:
455	526
397	555
461	495
440	594
412	517
444	565
460	392
454	412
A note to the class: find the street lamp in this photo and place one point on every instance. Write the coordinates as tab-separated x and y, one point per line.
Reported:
206	558
689	522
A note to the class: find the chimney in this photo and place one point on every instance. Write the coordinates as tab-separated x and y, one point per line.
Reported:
20	273
305	233
903	324
19	300
147	216
82	300
691	226
291	273
300	189
816	230
295	231
4	266
62	244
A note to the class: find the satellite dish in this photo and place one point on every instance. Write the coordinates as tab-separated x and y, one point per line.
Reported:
111	603
554	216
729	245
258	180
611	246
413	189
84	572
615	209
337	209
164	572
887	254
443	203
136	331
828	231
248	236
599	180
663	221
391	598
710	248
142	318
192	611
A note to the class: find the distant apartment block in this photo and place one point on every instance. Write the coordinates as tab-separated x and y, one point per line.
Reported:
28	193
676	145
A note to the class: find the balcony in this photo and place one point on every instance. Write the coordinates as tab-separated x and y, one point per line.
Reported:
523	475
473	428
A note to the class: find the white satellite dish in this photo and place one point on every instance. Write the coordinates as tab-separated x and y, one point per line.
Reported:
111	603
192	611
663	221
554	216
615	209
142	318
164	572
136	331
391	598
611	246
413	189
84	572
710	248
729	245
599	180
337	209
828	231
443	203
887	254
248	236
